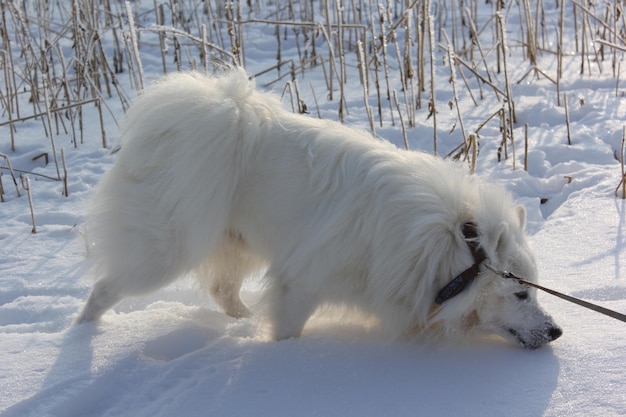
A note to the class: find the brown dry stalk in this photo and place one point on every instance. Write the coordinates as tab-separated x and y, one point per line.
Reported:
10	168
26	185
431	105
526	147
452	81
134	46
289	88
511	119
363	73
48	118
65	191
473	144
623	172
404	135
383	44
567	124
622	182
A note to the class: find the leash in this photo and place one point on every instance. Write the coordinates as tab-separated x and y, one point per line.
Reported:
458	284
578	301
462	281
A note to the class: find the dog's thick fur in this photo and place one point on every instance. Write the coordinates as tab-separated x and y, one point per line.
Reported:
216	177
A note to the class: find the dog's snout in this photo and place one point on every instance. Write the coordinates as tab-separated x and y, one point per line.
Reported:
555	333
536	338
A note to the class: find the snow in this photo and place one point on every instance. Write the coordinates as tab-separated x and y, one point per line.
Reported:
173	352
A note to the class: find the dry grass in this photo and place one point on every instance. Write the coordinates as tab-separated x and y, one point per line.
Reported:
65	59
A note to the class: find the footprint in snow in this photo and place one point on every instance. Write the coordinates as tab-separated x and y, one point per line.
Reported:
176	344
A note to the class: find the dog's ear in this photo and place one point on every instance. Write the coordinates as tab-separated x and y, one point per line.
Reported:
503	228
520	211
503	231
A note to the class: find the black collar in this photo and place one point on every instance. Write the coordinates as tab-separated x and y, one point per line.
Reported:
458	284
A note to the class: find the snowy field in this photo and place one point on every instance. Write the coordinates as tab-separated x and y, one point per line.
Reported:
173	353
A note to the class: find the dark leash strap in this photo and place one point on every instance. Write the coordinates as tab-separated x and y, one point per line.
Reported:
462	281
458	284
591	306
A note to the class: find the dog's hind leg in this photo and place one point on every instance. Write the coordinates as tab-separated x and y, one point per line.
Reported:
148	272
224	271
107	292
100	300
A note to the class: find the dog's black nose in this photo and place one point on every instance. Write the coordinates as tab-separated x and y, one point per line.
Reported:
555	333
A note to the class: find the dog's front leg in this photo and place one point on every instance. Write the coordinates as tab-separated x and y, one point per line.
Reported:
291	305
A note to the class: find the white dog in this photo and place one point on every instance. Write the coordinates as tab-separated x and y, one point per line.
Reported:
216	177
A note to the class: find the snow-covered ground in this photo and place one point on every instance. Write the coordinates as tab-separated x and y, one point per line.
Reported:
173	353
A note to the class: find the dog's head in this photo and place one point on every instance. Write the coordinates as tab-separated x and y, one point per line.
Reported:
491	303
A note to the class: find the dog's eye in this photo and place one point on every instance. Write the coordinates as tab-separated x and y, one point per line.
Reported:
522	295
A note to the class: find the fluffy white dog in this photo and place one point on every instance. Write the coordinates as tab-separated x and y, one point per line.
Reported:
216	177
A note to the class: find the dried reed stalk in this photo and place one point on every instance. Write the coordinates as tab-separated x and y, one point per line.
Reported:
431	105
65	192
473	144
26	186
363	73
404	135
622	182
567	124
10	168
134	45
452	81
526	147
510	117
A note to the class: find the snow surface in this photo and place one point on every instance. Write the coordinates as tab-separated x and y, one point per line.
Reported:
173	353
